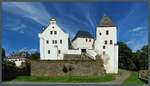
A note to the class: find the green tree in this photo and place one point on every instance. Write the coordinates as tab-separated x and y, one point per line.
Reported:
3	54
140	58
143	61
35	56
125	54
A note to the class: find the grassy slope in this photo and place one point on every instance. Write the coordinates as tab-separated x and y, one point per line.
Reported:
133	79
68	79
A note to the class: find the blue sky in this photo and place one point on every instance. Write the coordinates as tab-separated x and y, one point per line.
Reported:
22	21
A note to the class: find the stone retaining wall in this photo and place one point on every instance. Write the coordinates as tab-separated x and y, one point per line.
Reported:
67	68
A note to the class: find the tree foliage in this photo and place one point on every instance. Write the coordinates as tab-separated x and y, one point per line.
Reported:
35	56
3	53
132	60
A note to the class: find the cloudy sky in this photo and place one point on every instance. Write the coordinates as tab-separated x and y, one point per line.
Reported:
22	21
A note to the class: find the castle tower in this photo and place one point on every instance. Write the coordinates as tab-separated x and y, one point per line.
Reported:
106	44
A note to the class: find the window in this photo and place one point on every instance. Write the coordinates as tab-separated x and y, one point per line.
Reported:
55	32
47	41
90	40
100	34
59	51
48	51
53	27
104	53
107	32
55	41
51	32
86	40
60	41
103	47
110	41
105	41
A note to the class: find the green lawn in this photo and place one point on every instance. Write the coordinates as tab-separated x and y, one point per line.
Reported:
133	79
65	79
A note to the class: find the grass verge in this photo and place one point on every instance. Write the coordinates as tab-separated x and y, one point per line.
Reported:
133	79
65	79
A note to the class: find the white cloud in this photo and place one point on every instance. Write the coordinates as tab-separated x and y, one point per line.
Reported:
16	27
136	29
23	49
139	44
35	11
32	50
130	42
29	50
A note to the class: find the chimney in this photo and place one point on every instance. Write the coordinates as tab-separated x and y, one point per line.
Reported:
52	21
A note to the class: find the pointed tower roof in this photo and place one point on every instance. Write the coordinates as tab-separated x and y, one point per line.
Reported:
106	22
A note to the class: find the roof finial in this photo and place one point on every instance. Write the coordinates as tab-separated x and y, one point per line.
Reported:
105	14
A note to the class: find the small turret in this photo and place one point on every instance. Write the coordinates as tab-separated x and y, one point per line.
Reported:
52	21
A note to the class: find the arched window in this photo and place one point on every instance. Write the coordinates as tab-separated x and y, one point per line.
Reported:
107	32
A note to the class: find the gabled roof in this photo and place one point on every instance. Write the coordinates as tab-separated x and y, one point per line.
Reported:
82	34
106	22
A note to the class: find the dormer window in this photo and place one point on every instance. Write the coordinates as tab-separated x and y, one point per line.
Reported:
107	32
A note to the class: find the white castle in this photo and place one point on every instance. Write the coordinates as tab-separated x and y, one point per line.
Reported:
54	43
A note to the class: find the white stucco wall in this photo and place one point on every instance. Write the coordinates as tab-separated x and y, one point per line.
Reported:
80	43
109	48
44	47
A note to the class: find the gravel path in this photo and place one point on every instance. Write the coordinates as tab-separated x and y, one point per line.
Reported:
120	79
